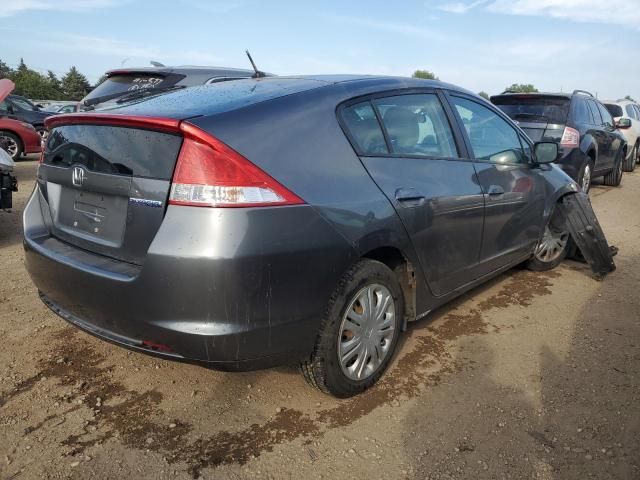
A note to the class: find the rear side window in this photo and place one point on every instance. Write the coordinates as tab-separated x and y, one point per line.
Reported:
637	109
630	112
595	112
492	138
114	150
417	125
534	108
582	113
362	124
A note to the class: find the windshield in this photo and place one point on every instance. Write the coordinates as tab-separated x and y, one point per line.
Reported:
534	109
23	103
121	84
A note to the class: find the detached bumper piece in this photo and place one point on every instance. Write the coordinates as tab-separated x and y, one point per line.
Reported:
585	230
8	185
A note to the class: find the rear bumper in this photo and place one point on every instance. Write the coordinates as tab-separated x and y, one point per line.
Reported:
236	289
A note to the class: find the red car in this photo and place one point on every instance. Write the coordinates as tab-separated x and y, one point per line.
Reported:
16	137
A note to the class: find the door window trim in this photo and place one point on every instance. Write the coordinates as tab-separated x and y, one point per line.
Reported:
458	138
522	136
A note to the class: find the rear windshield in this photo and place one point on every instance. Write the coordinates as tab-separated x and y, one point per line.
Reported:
131	82
114	150
534	109
614	110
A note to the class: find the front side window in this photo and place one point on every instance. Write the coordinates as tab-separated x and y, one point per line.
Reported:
361	122
607	119
595	112
492	138
417	125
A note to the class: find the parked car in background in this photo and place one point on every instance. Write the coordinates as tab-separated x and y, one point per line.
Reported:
8	181
122	84
17	137
20	108
280	220
626	115
590	144
58	108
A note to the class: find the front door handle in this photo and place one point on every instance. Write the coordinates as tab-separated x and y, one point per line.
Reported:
495	190
409	197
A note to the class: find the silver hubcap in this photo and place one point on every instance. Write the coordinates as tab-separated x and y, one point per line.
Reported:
551	246
10	145
586	179
366	332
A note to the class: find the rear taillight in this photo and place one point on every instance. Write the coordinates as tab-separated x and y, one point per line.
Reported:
210	174
570	138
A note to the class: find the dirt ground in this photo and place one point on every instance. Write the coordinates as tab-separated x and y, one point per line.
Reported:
531	376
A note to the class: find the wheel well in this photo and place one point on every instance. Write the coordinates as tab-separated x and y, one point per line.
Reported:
404	270
592	155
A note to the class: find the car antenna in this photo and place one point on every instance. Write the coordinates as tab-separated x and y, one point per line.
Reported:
258	73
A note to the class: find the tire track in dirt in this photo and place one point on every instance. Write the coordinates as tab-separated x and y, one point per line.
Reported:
137	420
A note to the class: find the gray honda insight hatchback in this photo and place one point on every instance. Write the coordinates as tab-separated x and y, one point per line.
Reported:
286	220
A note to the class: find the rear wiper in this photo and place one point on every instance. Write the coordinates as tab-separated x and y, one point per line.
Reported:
147	91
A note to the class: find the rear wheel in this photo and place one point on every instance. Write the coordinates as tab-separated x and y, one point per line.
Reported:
630	162
585	176
359	333
614	177
12	144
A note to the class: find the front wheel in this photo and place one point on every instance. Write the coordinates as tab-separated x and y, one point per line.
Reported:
614	177
551	250
359	332
11	144
630	162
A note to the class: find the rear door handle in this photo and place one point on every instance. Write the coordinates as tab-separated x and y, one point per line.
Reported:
409	197
495	190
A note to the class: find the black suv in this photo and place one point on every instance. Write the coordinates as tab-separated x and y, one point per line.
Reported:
20	108
590	145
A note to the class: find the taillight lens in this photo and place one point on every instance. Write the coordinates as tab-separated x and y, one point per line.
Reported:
211	174
570	138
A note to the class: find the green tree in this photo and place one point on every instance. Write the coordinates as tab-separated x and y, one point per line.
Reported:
5	70
74	85
101	79
426	74
55	87
522	88
30	83
484	95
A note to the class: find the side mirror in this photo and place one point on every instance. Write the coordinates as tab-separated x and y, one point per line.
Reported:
546	152
623	123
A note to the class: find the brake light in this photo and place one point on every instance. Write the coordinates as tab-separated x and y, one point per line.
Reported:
570	138
211	174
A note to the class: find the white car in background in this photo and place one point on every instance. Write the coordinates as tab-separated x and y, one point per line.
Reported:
626	115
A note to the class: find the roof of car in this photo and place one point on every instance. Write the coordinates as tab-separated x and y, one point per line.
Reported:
623	101
226	96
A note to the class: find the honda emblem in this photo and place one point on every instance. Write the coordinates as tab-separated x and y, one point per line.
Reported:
77	178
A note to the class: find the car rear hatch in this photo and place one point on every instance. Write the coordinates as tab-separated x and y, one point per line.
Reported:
542	117
106	182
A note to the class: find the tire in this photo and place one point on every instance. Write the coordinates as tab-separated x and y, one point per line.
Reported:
614	177
586	170
323	369
553	246
12	143
638	152
43	132
630	162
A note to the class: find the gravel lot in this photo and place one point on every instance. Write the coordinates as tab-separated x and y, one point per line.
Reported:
531	376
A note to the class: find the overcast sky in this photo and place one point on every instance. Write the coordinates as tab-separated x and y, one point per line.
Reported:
480	45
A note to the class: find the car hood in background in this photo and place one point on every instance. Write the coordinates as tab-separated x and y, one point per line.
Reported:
6	87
